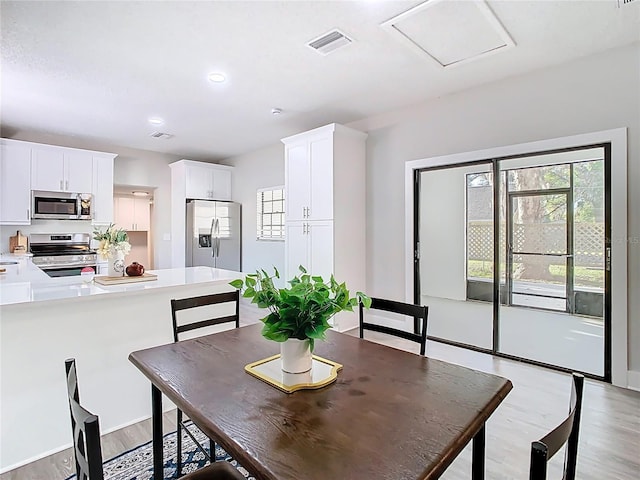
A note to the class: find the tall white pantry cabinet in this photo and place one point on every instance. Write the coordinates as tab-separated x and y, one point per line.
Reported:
325	207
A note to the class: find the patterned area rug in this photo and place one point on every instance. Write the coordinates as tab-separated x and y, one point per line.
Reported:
137	464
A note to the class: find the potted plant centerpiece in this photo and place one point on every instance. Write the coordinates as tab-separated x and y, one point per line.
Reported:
298	315
114	245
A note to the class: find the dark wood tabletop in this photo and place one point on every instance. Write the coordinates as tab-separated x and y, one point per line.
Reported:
390	415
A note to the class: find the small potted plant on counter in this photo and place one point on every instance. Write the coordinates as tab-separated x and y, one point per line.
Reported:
114	245
298	315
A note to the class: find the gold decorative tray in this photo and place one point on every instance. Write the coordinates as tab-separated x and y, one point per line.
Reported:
269	370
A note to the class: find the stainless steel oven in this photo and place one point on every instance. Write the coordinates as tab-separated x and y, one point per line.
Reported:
62	254
61	205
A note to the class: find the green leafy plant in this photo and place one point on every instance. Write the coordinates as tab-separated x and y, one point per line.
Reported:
112	240
301	311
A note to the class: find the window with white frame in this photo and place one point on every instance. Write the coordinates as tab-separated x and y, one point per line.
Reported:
270	204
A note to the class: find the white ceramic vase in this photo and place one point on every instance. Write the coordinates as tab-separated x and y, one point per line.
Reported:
295	355
116	264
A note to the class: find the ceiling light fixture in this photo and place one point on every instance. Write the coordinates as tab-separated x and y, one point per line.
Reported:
276	111
216	77
140	193
156	121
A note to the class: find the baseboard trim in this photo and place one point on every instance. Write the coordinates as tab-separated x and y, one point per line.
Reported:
633	380
53	451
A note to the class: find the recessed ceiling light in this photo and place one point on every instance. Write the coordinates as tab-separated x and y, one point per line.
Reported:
276	111
217	77
156	121
140	194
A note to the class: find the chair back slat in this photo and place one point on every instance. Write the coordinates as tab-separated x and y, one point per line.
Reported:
203	301
418	312
566	433
86	431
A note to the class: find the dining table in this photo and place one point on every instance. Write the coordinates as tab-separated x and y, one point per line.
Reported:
390	414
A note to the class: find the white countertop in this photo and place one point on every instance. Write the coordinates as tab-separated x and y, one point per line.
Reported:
24	282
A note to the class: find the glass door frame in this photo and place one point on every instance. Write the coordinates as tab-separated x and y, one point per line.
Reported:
495	161
511	196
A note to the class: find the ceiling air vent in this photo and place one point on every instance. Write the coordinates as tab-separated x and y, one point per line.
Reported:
622	3
329	42
166	136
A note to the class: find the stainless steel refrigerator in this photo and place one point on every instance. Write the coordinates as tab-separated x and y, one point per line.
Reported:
213	234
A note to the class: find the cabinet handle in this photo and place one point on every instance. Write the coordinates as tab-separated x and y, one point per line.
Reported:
66	184
61	185
28	214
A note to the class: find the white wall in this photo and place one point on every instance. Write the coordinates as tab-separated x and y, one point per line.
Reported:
591	94
260	169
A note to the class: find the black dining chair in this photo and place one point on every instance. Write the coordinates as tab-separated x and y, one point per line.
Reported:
87	449
418	312
565	433
180	327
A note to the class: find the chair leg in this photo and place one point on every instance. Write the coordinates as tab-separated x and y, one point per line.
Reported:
212	450
179	445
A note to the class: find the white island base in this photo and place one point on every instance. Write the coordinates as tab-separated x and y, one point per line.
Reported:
99	327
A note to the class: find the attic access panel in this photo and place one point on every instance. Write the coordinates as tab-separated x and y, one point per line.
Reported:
450	32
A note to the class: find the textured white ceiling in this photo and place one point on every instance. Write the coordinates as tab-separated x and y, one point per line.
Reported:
98	70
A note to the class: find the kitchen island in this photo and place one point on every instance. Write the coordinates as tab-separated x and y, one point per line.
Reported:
44	321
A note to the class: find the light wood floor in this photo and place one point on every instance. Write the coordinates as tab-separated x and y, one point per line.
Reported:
609	437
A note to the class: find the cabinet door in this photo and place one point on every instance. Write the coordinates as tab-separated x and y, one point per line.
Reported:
47	170
124	212
297	248
321	179
15	185
102	190
142	214
198	182
320	248
78	171
221	184
297	181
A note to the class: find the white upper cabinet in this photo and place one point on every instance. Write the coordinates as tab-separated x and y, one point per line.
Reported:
309	178
47	170
132	213
207	182
102	190
61	170
15	184
78	171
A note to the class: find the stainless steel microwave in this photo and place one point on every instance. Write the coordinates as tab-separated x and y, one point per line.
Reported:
61	205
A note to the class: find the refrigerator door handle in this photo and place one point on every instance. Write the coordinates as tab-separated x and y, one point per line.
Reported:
213	245
217	237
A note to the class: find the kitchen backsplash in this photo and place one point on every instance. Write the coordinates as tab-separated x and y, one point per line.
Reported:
43	226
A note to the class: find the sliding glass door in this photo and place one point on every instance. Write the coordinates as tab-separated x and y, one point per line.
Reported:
456	216
552	304
518	266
